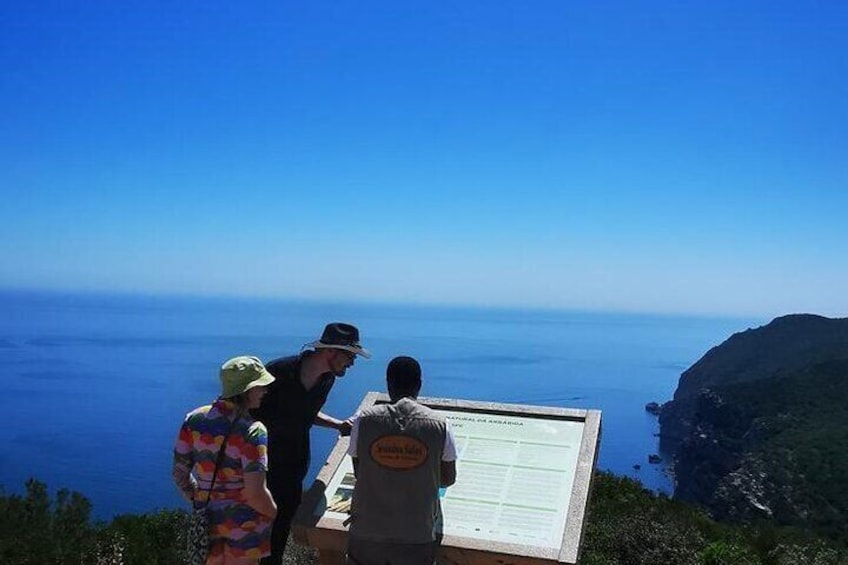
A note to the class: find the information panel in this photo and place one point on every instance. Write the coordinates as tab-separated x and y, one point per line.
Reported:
523	475
514	478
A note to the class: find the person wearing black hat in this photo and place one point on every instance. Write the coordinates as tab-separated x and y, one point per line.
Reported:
403	452
291	406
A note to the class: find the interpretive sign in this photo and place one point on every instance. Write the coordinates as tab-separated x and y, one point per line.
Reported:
523	478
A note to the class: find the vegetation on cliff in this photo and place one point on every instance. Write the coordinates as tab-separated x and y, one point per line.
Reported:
778	452
627	525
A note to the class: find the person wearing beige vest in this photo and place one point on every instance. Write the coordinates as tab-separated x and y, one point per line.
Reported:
403	452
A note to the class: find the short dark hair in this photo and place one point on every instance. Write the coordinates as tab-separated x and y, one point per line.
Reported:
403	376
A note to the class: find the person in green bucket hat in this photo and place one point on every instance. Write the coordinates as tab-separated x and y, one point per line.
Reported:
221	461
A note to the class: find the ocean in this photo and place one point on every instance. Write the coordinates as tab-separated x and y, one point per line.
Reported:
96	386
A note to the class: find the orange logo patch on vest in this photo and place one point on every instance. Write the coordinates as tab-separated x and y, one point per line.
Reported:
399	452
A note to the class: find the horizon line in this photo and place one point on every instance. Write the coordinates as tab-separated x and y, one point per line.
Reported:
360	301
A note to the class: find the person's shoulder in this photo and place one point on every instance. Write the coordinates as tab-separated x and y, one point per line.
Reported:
198	413
431	414
283	366
413	405
434	414
372	411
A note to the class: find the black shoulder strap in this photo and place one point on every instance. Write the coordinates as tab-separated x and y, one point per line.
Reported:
220	458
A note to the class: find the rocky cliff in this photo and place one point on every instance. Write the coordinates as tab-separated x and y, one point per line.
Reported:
759	425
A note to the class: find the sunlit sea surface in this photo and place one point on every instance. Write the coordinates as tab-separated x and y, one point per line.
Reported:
95	386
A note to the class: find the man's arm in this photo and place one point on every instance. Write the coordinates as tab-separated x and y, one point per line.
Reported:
448	473
183	463
327	421
354	443
448	467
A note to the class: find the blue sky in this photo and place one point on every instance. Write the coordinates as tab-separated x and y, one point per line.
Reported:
683	157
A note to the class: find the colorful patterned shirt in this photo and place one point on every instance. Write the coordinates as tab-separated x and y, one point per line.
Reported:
236	528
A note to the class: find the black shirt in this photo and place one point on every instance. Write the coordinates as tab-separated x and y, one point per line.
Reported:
288	410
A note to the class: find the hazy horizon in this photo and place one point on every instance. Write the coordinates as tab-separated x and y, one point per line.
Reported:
166	296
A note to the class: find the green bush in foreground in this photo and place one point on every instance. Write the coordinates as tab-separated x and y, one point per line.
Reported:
627	525
146	539
36	530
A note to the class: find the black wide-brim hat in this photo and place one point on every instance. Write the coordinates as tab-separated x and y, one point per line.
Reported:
339	335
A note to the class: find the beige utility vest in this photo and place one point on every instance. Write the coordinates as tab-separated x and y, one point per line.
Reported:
396	498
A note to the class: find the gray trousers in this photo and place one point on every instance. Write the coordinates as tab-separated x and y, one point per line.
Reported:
364	552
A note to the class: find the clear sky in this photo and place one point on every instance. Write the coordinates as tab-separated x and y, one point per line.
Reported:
685	156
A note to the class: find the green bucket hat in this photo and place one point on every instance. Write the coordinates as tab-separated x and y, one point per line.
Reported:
240	374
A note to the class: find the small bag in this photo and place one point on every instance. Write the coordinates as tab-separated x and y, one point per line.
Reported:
197	538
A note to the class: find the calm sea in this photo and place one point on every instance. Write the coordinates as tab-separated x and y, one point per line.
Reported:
95	386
